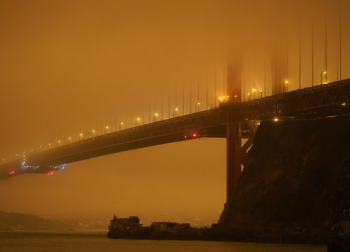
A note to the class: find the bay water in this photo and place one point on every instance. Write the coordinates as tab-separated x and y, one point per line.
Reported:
98	241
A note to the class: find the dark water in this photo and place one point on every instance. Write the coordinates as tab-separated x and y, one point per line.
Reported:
93	241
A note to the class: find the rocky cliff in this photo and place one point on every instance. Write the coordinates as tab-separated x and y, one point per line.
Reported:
287	192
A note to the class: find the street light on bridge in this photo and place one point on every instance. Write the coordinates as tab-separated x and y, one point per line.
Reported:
285	84
155	117
253	93
175	111
121	125
198	103
322	73
137	121
224	98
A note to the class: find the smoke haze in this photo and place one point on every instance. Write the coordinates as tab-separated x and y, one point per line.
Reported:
71	66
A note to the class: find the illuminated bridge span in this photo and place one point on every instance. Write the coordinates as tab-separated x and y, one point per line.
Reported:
227	121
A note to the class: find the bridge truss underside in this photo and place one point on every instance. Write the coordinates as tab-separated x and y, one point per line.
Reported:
209	123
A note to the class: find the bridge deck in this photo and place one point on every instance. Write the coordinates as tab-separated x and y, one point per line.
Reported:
330	99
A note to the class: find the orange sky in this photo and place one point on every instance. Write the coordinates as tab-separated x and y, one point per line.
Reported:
68	65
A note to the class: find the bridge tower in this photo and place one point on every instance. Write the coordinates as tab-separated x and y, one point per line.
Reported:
233	126
234	78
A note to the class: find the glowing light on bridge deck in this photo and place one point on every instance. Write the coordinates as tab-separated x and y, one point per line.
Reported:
138	119
224	98
81	134
343	104
276	119
156	114
121	123
93	131
107	127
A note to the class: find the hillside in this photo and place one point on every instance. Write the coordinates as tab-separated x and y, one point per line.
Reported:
287	191
19	221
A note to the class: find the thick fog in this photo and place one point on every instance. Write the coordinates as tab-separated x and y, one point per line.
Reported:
68	67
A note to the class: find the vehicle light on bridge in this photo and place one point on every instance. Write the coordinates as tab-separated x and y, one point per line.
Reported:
11	172
185	136
194	135
343	104
276	119
50	173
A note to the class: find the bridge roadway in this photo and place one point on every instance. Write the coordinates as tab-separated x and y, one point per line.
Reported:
223	122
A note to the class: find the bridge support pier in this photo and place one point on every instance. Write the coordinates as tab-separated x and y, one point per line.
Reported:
233	155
